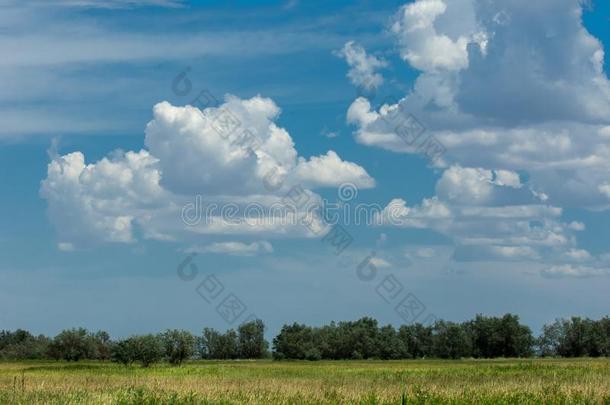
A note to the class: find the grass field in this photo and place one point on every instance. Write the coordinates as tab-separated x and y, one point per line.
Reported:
263	382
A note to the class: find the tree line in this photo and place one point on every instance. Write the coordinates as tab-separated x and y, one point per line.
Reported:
174	346
481	337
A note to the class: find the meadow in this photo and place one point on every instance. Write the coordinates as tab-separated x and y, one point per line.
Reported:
528	381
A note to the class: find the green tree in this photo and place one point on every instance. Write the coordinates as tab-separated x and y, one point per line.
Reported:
499	337
416	341
485	337
73	345
515	339
549	341
208	342
216	345
603	334
297	342
357	339
251	340
102	345
326	341
451	341
571	337
148	349
179	345
227	345
390	347
124	351
21	344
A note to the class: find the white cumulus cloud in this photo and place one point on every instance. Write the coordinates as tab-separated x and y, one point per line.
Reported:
193	162
362	72
505	86
422	45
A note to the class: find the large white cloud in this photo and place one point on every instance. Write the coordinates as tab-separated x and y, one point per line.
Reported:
474	185
100	201
193	162
490	215
517	95
507	86
329	170
196	154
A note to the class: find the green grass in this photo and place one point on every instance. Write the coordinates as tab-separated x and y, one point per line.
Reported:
537	381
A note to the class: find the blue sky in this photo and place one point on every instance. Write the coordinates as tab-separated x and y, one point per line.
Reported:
95	169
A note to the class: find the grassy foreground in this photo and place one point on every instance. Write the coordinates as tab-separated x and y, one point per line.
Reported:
264	382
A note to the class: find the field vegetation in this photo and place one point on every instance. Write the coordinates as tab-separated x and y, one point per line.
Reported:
501	381
486	360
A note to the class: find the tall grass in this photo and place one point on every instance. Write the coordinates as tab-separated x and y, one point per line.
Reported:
537	381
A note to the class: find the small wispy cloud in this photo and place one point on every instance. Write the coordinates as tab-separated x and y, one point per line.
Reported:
234	248
362	72
328	133
65	247
571	271
379	262
425	253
